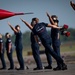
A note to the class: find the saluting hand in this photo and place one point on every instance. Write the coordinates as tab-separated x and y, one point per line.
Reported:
72	4
22	20
47	14
9	23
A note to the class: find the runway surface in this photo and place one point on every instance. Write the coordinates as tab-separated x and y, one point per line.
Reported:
70	61
70	71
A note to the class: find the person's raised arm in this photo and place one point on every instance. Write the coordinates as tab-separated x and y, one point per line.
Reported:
27	24
12	27
54	26
72	4
1	47
50	19
9	47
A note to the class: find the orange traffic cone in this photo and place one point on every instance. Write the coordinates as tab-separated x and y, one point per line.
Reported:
6	14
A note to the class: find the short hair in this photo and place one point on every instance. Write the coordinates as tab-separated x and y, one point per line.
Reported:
17	26
55	20
7	34
54	16
34	19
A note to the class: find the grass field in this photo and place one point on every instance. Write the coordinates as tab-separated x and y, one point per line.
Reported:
68	47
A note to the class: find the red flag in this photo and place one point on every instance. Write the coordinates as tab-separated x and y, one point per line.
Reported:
6	14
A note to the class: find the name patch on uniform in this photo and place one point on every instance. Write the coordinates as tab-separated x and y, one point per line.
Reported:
1	40
9	40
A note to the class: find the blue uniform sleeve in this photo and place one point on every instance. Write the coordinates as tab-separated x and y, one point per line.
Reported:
33	31
9	40
1	41
45	24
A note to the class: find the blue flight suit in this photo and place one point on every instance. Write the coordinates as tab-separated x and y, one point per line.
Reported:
49	58
35	51
56	42
19	48
9	55
40	30
2	55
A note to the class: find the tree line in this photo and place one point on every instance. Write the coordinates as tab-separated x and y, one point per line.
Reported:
26	37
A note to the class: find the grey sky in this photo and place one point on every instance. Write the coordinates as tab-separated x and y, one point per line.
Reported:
61	8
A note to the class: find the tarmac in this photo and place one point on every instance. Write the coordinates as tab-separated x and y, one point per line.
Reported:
70	71
69	60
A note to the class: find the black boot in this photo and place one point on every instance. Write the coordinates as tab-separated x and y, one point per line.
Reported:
57	68
48	67
64	67
37	68
3	68
10	68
